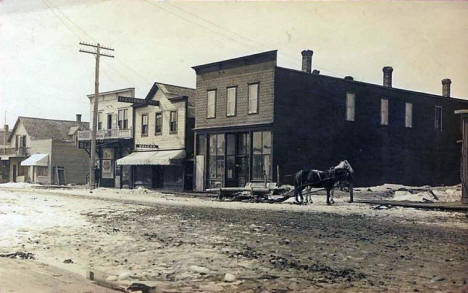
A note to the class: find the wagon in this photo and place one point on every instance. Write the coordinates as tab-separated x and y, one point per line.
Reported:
257	191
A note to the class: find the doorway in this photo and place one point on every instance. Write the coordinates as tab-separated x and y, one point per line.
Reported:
14	173
231	166
60	175
237	159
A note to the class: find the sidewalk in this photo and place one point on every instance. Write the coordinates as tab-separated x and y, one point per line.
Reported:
29	276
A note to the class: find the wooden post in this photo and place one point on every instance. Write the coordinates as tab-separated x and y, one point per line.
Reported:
277	175
98	54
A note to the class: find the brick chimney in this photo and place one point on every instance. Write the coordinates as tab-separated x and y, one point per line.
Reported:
446	87
387	76
78	117
5	128
307	60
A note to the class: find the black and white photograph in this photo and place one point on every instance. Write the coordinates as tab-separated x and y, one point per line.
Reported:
164	146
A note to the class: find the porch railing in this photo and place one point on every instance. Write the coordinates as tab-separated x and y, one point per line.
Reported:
106	134
15	152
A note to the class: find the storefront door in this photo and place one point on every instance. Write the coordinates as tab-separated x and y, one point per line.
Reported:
14	173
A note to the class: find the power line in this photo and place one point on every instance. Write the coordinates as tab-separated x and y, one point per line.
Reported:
223	31
56	11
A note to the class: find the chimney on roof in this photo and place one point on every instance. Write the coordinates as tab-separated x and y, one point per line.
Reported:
316	71
5	128
446	87
307	60
78	117
348	77
387	76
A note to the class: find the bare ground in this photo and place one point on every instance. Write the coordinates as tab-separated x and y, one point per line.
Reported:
190	248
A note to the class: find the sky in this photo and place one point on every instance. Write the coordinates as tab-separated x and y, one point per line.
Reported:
43	74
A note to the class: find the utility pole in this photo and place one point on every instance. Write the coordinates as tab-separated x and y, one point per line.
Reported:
95	107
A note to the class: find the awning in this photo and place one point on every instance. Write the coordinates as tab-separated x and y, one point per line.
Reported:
152	158
37	160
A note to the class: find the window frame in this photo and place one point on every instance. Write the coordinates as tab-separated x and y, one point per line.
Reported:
216	159
99	120
386	121
109	115
349	117
147	124
235	101
261	154
408	118
122	118
248	98
160	114
175	122
208	103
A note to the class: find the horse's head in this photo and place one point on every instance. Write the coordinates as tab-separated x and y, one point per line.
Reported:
345	165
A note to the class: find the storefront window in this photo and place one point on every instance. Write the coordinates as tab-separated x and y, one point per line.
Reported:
261	157
216	160
42	171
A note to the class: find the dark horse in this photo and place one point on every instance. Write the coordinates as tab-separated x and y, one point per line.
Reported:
338	175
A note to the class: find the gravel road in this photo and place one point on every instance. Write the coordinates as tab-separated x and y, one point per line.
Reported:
183	247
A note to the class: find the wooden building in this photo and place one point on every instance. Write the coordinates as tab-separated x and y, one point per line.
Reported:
44	151
114	137
258	121
162	156
4	158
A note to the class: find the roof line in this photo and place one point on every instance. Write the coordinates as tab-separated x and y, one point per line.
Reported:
60	120
373	84
233	59
163	83
112	92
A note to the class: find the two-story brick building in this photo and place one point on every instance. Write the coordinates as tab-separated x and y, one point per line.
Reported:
44	151
256	121
114	137
163	139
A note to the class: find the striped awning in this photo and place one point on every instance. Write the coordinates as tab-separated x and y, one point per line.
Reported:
37	160
152	158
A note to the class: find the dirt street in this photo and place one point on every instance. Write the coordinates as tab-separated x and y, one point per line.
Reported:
198	245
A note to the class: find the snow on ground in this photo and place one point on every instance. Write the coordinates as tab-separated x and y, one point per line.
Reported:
417	194
102	229
341	206
18	185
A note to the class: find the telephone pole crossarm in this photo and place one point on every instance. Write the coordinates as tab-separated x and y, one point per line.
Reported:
96	46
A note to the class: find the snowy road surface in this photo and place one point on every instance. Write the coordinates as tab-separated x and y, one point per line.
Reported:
186	244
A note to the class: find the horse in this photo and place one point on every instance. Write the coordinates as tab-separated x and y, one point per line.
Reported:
338	175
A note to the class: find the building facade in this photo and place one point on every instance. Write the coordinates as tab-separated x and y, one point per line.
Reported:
163	139
256	121
114	137
44	151
4	159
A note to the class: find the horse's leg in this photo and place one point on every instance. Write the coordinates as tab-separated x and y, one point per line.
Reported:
298	194
351	195
310	194
332	193
328	197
